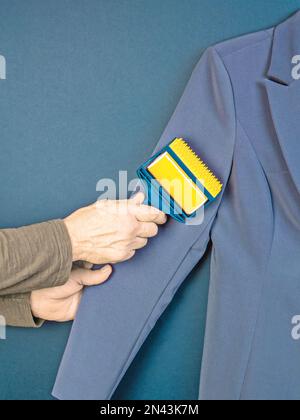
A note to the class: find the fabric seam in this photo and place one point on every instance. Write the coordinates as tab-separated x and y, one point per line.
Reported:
253	44
263	285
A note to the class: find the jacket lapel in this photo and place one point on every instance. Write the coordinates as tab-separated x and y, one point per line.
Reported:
284	93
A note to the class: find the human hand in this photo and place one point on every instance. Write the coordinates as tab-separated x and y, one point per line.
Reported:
61	303
111	231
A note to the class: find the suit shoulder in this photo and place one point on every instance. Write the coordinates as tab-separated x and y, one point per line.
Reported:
244	42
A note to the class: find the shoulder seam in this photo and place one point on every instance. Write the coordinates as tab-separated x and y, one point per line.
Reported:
231	83
268	35
233	99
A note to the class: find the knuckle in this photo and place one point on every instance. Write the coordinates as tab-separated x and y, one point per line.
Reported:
131	228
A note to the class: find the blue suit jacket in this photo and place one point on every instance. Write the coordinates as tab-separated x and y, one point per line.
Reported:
240	112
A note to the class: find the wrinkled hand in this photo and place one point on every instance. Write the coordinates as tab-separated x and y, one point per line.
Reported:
111	231
60	304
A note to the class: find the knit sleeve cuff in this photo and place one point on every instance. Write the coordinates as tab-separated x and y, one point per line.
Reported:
15	311
66	252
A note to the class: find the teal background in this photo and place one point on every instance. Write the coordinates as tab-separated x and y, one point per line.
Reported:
90	86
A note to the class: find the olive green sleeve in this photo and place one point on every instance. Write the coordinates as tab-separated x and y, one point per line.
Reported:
31	258
16	311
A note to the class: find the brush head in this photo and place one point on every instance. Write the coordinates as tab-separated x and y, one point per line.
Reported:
178	181
198	168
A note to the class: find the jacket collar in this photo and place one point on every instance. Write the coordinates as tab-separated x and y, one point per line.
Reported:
283	92
286	45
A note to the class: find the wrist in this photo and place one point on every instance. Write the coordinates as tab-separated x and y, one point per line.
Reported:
76	250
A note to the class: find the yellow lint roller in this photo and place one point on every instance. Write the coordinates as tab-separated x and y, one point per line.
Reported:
178	181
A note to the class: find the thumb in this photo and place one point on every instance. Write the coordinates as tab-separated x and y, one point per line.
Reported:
92	278
139	198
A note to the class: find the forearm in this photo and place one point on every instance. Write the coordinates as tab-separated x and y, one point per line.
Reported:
35	260
34	257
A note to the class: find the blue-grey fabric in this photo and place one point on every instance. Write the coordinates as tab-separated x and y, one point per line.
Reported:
240	112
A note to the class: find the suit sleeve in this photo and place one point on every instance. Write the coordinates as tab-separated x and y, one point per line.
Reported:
115	318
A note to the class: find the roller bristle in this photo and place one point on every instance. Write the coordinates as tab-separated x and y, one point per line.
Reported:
199	169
